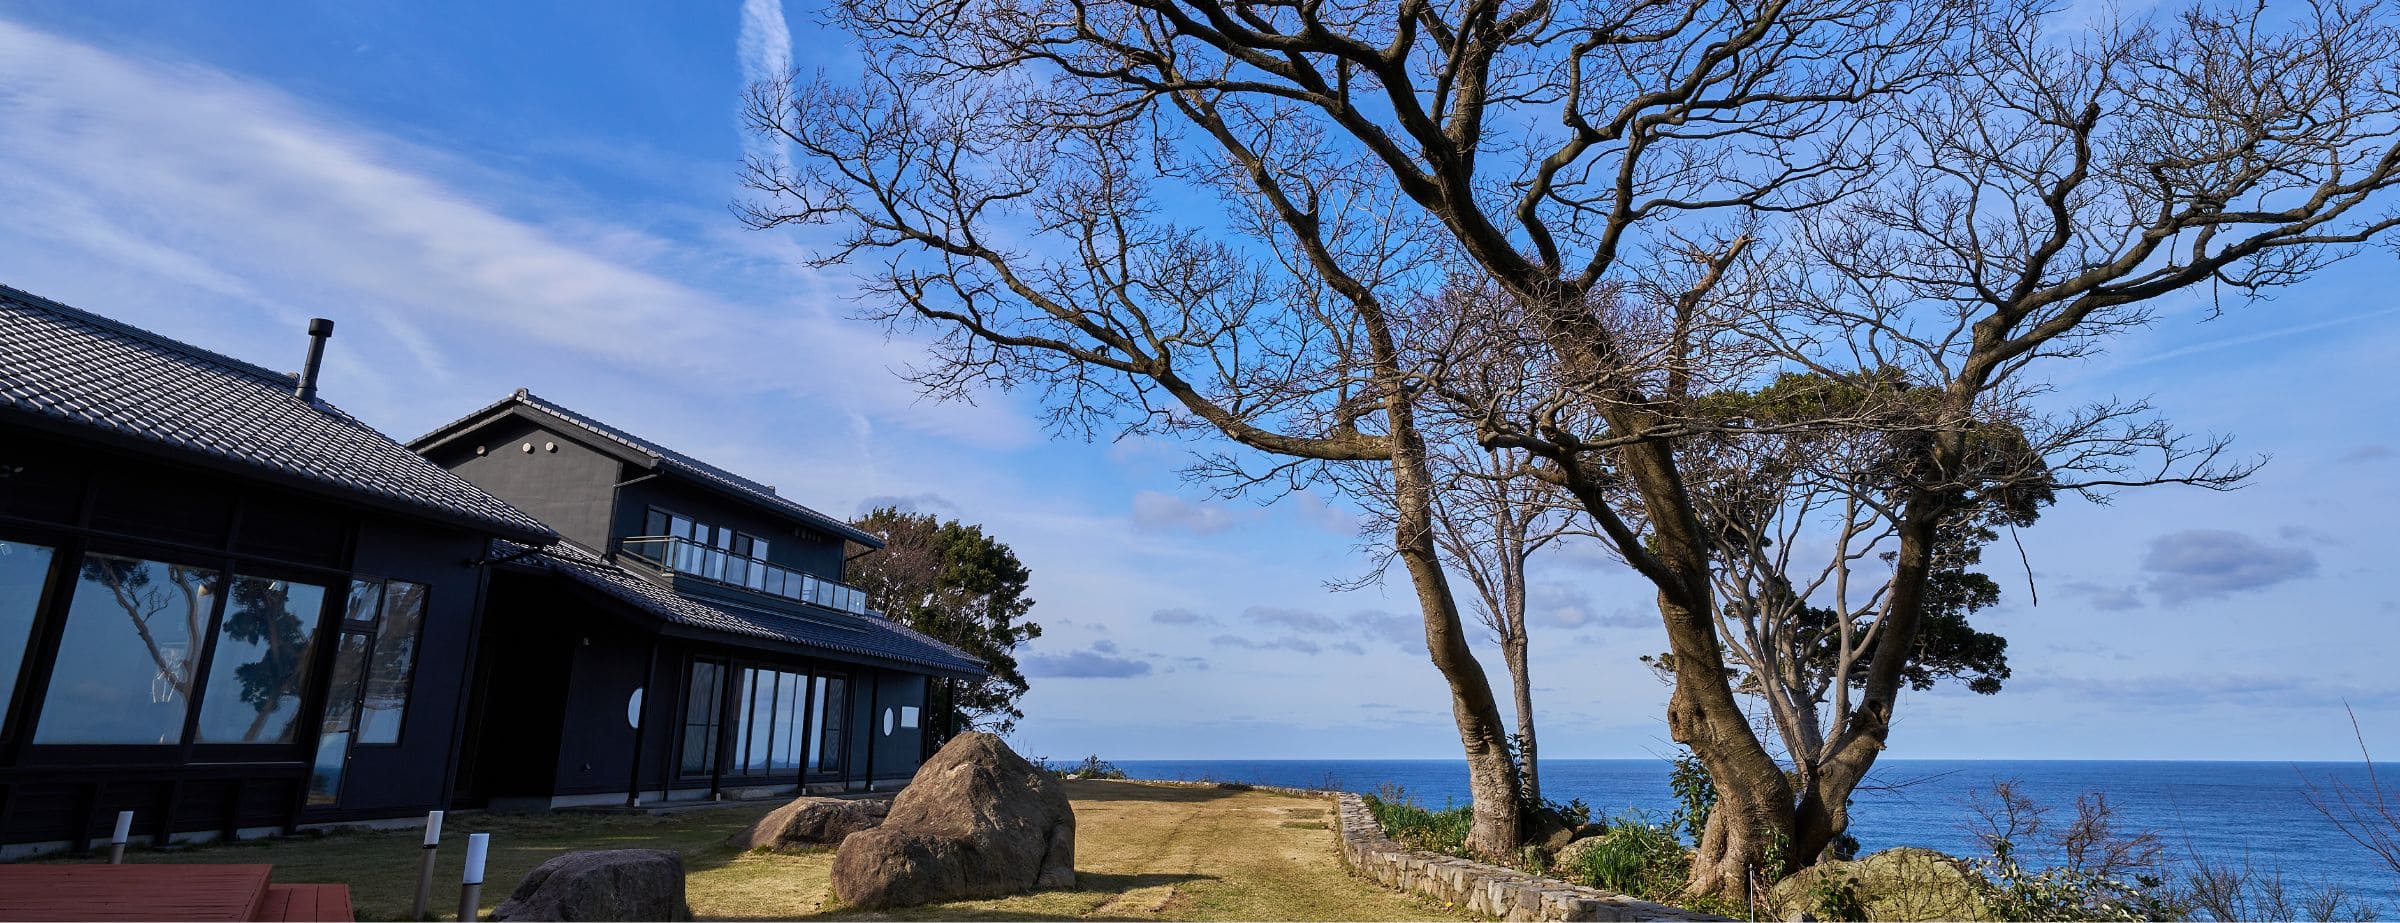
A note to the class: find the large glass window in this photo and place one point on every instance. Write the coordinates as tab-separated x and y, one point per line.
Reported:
341	719
793	692
393	664
762	722
126	663
825	747
389	617
24	572
771	722
700	718
260	667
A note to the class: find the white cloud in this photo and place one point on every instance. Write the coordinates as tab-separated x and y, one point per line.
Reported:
208	183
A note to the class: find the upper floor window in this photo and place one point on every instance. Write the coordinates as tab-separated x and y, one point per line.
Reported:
687	546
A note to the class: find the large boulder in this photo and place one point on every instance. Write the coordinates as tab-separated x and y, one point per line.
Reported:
810	822
1568	862
978	821
1896	884
604	884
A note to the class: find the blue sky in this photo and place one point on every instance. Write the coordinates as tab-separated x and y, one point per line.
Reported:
493	196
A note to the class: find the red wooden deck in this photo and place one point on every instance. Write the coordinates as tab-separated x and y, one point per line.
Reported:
306	904
163	892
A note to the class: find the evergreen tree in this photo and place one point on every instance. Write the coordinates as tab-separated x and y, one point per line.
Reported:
951	581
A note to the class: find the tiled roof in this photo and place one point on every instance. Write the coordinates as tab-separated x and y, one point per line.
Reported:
871	637
673	461
78	371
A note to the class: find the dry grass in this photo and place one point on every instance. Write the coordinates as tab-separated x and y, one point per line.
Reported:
1143	852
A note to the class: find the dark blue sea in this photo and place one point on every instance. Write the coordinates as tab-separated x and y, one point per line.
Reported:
2223	811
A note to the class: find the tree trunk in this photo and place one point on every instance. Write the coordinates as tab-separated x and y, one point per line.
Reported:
1528	750
1497	831
1754	809
1823	812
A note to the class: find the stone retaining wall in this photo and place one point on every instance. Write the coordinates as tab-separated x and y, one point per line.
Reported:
1489	890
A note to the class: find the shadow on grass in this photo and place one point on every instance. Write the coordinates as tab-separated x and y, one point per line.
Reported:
1105	887
1100	790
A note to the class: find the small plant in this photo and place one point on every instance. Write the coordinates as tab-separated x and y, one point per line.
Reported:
2224	891
2105	874
1696	792
1092	767
1837	899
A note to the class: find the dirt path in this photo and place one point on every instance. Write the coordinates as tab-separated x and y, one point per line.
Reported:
1143	852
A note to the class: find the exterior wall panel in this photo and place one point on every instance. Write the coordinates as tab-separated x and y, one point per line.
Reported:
569	489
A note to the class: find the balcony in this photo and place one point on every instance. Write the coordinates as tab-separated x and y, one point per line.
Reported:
692	559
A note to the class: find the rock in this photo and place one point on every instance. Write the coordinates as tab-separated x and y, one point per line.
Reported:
1902	884
978	821
1566	863
813	822
1587	831
605	884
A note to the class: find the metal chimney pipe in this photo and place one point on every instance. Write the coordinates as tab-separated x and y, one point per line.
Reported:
318	330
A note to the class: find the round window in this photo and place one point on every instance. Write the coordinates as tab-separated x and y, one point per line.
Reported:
633	709
888	722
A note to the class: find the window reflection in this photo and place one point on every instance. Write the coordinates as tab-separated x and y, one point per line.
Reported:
787	721
700	719
260	667
340	723
24	571
125	665
825	749
393	663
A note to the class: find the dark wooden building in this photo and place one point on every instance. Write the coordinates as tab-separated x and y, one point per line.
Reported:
224	605
689	636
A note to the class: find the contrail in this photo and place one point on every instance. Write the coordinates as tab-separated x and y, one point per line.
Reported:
765	49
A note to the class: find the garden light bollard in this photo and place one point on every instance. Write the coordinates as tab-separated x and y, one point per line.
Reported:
470	893
433	843
116	839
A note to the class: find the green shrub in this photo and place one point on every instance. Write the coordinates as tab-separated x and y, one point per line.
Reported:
1634	857
1414	827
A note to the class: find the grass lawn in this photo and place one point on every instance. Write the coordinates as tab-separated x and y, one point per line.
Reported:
1142	852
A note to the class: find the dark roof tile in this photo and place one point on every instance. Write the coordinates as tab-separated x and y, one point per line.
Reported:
83	372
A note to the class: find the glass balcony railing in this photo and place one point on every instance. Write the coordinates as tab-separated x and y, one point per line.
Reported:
684	556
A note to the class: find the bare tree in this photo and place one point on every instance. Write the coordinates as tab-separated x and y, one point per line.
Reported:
1491	512
2367	815
2047	194
1976	196
1030	228
1490	519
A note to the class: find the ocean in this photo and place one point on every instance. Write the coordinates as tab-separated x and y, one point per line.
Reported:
2222	811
